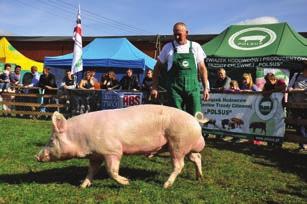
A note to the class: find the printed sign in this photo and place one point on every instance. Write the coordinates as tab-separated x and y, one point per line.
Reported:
114	99
245	114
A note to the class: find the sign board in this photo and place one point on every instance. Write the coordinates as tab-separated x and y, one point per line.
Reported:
246	115
118	99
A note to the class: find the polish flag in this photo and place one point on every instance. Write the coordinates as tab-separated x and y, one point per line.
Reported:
77	64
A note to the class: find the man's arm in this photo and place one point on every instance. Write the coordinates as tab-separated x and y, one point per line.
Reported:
204	78
155	78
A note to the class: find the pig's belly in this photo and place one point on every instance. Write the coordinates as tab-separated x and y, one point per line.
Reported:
143	144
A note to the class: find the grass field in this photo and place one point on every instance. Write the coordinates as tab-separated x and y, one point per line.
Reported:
233	173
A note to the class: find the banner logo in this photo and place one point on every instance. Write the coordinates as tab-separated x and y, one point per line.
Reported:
252	38
265	107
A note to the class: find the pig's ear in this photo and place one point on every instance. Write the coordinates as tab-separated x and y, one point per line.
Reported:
59	122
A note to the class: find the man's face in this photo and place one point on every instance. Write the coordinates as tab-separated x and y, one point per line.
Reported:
17	70
221	74
129	73
180	34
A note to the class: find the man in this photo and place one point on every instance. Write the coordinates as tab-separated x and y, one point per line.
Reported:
129	82
223	81
184	59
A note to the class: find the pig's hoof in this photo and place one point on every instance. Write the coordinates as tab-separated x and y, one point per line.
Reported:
123	181
86	184
167	184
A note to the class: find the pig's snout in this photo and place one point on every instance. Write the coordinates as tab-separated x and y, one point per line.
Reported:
42	156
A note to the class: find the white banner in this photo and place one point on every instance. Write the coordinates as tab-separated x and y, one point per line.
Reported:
248	115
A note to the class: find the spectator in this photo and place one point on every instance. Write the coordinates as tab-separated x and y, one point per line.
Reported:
69	80
88	81
273	84
15	77
47	85
96	82
86	99
299	82
223	81
247	83
31	79
233	86
109	81
5	78
147	84
129	82
47	81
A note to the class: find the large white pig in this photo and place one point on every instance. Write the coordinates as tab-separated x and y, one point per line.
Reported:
108	134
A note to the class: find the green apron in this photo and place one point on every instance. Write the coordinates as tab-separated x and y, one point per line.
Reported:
184	91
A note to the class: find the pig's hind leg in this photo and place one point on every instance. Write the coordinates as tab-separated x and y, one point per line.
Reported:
196	159
112	165
92	171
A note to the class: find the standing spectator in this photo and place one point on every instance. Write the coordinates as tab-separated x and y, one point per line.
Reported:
247	83
223	81
129	82
147	84
299	82
47	85
184	59
273	84
5	78
109	81
233	86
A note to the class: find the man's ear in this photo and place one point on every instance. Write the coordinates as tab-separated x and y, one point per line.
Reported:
59	122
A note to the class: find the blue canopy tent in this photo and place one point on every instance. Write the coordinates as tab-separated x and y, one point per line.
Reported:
117	53
103	54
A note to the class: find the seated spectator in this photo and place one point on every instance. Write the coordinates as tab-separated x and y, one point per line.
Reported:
5	78
109	81
299	82
47	81
69	80
273	84
93	78
147	84
129	82
88	81
247	83
222	81
31	79
15	77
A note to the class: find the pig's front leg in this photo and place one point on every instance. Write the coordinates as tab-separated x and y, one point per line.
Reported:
112	165
92	171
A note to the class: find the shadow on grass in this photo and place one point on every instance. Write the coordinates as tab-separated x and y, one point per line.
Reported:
285	160
72	175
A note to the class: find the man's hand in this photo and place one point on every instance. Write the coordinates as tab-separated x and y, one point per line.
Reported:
206	95
154	93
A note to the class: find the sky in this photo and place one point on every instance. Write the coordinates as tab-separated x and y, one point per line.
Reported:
143	17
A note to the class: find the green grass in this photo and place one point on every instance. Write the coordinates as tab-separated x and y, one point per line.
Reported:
233	173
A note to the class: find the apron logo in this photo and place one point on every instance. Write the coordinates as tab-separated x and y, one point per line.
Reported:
185	63
252	38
